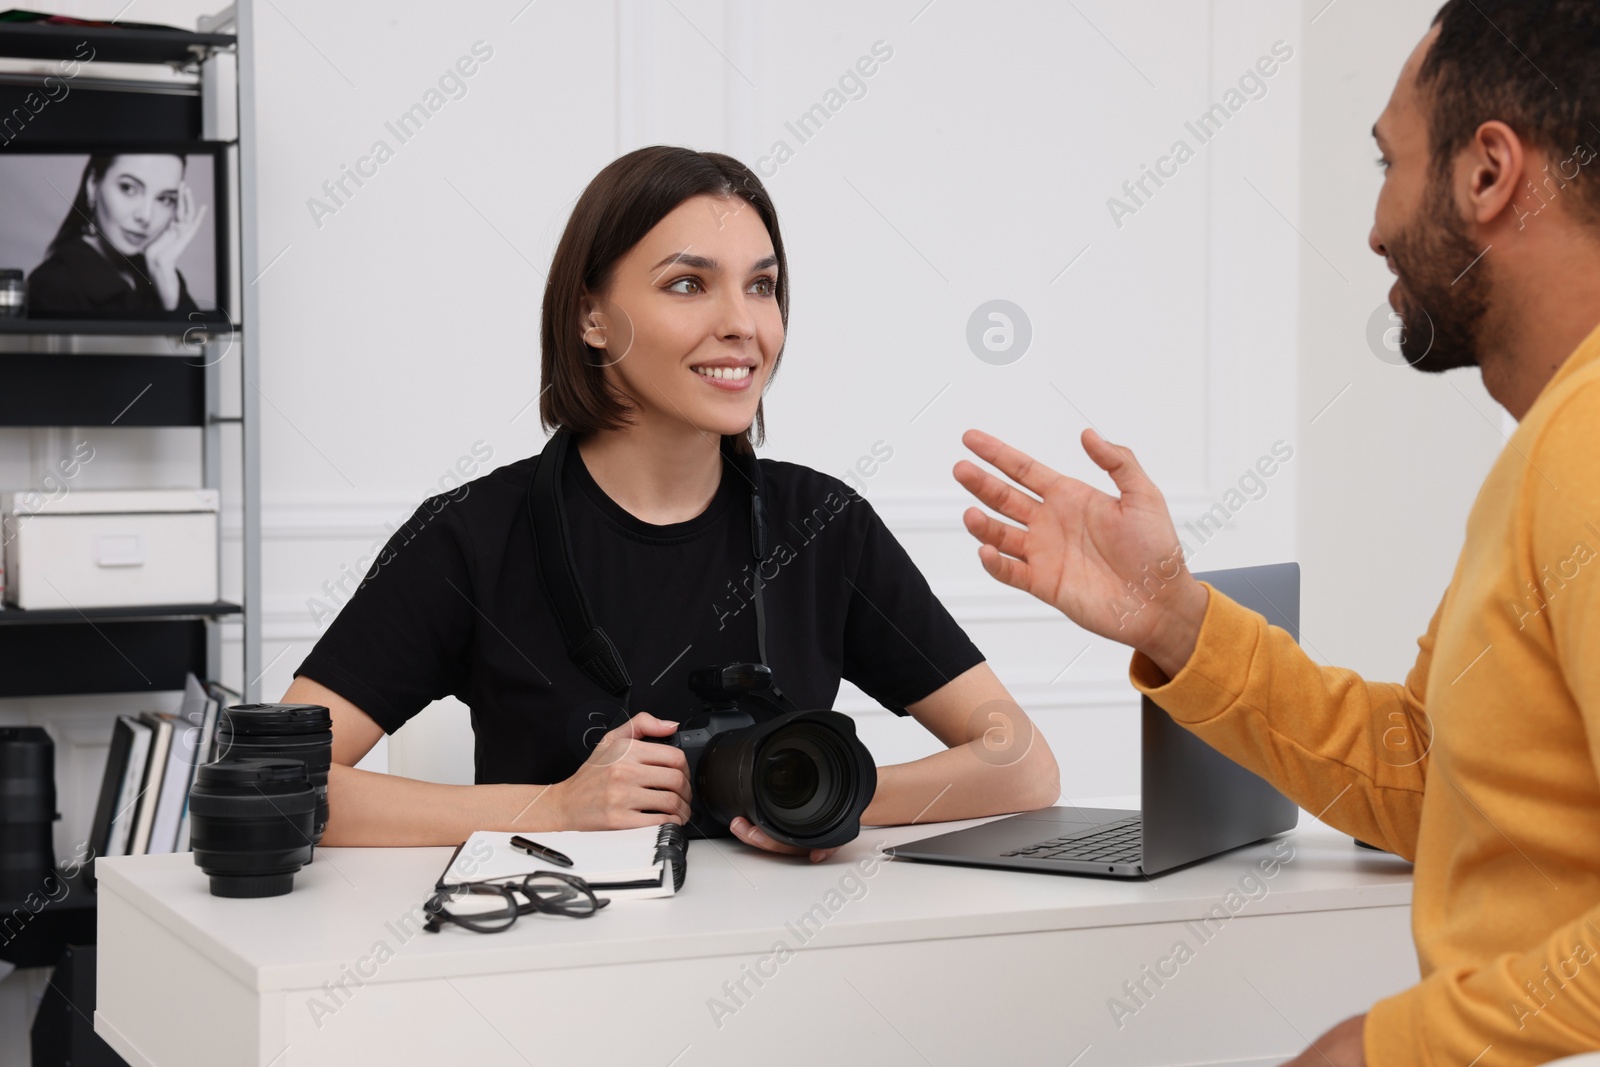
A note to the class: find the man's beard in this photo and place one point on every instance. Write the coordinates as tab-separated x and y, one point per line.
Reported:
1443	292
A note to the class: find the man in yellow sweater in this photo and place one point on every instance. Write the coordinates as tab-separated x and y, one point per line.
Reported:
1490	218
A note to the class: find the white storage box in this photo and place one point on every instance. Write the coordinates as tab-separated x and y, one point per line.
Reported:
93	548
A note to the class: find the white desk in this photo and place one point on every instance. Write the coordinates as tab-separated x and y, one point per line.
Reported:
927	965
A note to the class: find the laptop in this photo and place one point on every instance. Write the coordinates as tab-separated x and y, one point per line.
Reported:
1195	802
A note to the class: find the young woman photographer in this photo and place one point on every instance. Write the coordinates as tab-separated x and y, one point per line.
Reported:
663	324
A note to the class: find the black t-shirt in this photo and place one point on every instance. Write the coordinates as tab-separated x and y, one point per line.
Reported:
77	280
453	606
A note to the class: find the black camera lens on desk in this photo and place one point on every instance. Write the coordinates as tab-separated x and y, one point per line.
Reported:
283	731
250	823
27	809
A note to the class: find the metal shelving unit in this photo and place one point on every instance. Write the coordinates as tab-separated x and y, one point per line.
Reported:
61	372
26	40
178	91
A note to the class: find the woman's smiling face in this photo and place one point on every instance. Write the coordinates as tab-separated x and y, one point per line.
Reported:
689	325
136	200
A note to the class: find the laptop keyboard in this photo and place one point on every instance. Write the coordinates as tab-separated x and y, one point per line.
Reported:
1115	842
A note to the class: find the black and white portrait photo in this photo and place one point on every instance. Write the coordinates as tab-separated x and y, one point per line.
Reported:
115	236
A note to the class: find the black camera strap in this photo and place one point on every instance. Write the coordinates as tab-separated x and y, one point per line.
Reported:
587	644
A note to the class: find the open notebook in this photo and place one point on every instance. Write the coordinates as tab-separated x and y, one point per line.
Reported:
647	861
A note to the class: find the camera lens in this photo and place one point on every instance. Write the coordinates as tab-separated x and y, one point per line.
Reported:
803	769
283	731
28	786
803	777
790	777
250	824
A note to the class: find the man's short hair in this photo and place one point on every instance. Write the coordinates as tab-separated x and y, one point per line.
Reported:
1532	64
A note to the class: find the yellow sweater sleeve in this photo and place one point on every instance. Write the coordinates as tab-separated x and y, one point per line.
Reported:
1542	1003
1352	750
1529	1007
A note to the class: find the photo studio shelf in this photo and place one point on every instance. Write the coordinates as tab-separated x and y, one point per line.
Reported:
81	108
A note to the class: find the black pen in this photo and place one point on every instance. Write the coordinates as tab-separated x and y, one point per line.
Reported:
533	848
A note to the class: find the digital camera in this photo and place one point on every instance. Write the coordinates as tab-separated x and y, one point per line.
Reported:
802	776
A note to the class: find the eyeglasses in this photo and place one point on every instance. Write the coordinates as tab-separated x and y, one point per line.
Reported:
489	907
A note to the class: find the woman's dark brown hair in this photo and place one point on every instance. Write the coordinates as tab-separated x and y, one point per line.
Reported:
622	204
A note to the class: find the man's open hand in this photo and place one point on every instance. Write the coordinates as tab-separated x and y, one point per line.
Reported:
1112	564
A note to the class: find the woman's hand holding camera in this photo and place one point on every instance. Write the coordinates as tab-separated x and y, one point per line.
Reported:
163	253
627	781
752	834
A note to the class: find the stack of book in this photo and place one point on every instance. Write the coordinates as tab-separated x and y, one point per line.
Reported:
144	795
